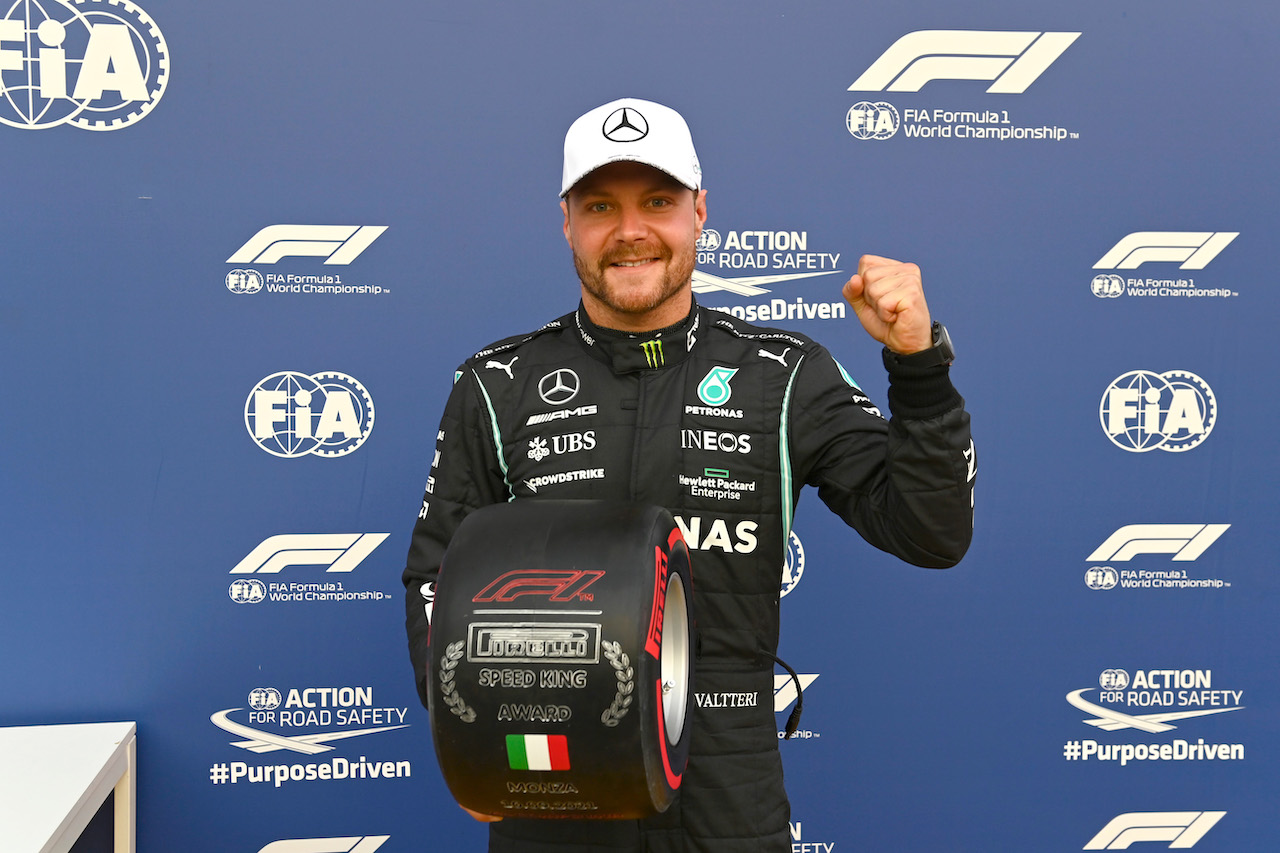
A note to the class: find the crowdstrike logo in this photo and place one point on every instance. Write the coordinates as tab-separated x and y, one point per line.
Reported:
337	552
1011	60
337	244
291	414
1192	249
535	483
1182	829
351	844
92	64
1173	411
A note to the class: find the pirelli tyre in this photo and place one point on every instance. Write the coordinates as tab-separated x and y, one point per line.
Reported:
561	665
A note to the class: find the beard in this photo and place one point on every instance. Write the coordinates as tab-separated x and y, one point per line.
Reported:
637	300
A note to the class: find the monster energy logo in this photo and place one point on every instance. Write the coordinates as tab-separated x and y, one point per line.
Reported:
653	352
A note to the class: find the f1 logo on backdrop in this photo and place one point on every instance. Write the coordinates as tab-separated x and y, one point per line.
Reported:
354	844
1011	60
338	552
784	690
1193	249
1183	829
1186	542
1173	411
291	414
93	64
337	244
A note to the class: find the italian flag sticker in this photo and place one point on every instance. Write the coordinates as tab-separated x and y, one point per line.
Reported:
538	752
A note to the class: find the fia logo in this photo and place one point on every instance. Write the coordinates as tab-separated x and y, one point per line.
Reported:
1172	411
93	64
868	120
793	567
1107	286
244	281
291	414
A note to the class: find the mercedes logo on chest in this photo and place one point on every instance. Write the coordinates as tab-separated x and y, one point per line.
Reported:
625	124
558	387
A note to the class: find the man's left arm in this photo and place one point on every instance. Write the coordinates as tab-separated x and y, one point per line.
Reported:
906	486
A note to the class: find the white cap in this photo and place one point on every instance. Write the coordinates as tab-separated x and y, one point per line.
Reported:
630	129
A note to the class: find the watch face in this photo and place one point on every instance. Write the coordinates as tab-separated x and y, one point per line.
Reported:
942	343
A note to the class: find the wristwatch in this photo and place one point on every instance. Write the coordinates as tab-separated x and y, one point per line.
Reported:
941	353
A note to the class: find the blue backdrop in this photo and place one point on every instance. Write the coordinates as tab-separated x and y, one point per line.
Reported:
218	213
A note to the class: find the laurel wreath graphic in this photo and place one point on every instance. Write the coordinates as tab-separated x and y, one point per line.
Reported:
448	663
626	683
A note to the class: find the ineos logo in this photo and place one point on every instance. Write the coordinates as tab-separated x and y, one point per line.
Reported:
625	125
558	387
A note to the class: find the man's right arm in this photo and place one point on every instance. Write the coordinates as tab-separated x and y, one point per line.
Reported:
464	476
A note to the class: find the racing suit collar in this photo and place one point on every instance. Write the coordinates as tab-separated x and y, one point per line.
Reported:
628	352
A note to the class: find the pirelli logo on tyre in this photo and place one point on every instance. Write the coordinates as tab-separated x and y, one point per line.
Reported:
653	642
543	643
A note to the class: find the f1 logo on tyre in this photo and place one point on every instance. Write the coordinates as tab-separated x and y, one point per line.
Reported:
556	584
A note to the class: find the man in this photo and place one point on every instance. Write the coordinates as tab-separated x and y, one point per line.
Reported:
664	397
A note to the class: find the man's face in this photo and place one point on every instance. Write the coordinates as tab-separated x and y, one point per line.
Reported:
633	230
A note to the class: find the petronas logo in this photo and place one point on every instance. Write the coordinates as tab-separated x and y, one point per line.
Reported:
653	352
714	388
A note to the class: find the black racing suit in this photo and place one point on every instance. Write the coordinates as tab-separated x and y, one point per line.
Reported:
722	423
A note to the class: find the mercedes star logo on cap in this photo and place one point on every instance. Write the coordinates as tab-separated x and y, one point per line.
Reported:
625	125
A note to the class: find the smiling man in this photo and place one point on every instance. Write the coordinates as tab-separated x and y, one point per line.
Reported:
629	226
719	421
